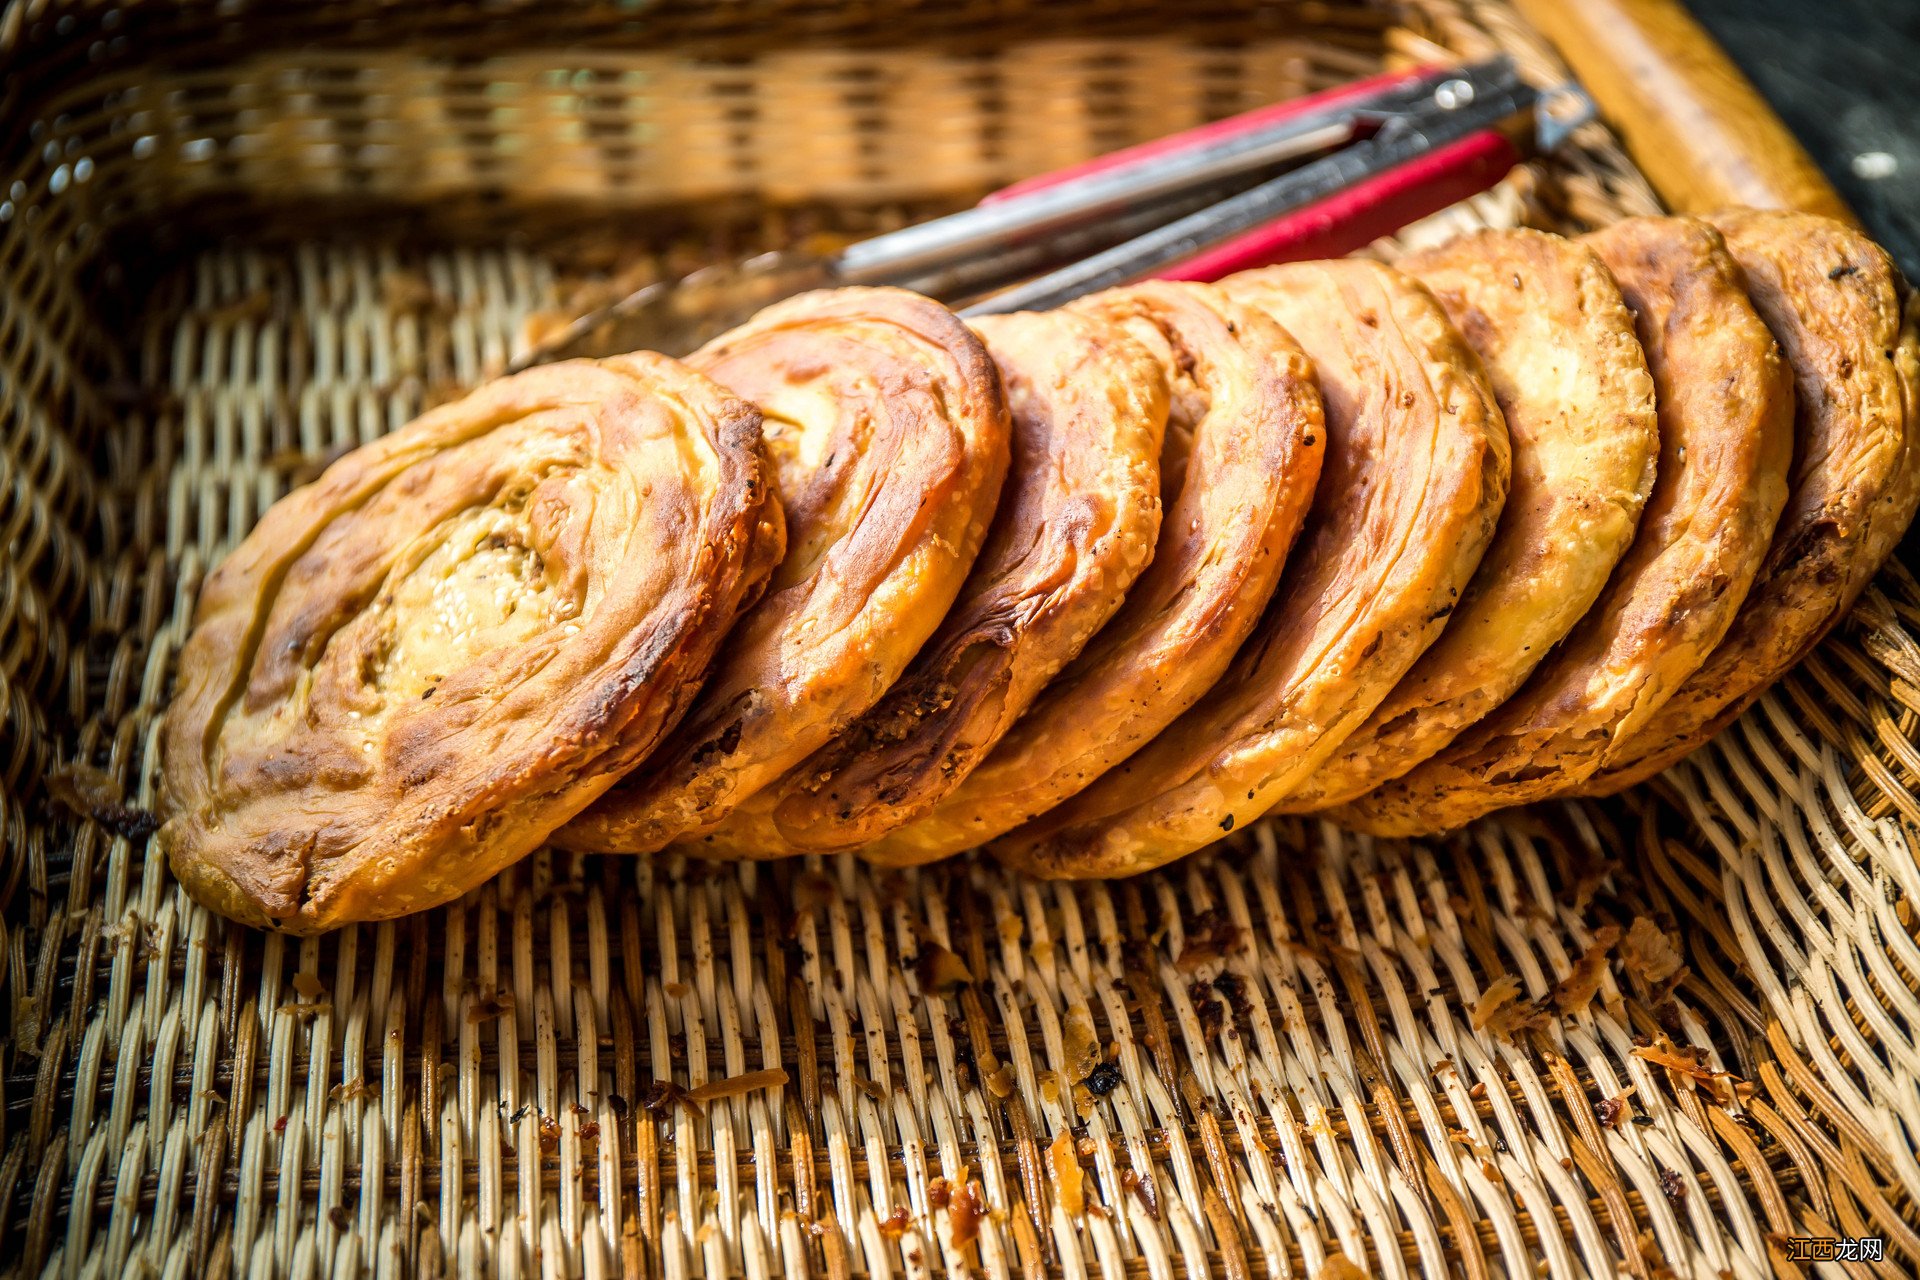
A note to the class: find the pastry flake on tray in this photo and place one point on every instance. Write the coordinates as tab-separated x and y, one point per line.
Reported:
416	667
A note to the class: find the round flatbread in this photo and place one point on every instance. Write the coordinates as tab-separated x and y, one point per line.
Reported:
1244	439
1843	315
1725	402
1557	342
1076	525
1415	476
888	434
415	668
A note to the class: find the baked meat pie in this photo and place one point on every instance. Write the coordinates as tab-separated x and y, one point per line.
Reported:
1241	457
1844	317
1076	525
1557	343
1415	475
1724	401
888	432
415	668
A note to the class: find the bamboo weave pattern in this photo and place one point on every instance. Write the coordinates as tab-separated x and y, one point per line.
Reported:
498	1088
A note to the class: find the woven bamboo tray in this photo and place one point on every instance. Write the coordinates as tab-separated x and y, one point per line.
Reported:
238	238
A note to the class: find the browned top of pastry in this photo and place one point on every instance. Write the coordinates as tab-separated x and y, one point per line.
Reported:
888	434
1558	346
1843	316
1415	475
1725	403
1245	436
415	668
1076	525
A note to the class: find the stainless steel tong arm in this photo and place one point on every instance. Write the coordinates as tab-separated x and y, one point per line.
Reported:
987	228
1466	103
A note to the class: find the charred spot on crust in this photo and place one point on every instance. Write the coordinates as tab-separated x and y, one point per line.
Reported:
1809	539
724	745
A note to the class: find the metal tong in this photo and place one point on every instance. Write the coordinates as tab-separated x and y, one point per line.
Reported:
1314	177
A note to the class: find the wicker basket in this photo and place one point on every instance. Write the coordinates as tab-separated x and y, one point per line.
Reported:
236	238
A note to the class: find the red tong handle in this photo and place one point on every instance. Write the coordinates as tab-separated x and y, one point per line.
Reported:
1355	218
1341	223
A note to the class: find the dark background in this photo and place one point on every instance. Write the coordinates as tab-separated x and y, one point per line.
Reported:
1845	76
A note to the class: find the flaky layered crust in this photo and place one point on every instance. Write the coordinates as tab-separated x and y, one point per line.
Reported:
415	668
1243	448
1415	476
1076	525
1725	404
888	434
1843	317
1557	343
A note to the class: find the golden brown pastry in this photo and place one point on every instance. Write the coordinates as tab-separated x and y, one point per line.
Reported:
1244	440
1725	403
415	668
1557	343
1415	476
888	433
1076	525
1842	314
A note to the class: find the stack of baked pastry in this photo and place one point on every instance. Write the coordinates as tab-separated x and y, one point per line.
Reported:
1520	517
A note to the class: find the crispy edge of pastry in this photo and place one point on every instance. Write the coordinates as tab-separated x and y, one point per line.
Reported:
523	735
888	431
1557	343
1847	323
1725	402
1246	437
1076	526
1378	570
